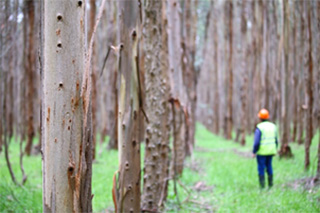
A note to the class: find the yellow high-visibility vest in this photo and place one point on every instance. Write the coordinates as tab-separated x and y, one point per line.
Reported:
268	138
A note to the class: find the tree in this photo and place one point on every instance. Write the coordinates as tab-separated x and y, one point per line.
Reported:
128	192
285	150
29	12
66	135
309	85
229	111
156	159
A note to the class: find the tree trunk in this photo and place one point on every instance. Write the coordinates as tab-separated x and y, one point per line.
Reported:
309	87
29	69
94	75
178	89
129	109
216	73
244	72
157	105
66	141
295	76
229	117
188	61
285	150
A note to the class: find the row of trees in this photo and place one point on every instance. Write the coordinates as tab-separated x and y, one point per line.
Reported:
130	73
262	54
131	77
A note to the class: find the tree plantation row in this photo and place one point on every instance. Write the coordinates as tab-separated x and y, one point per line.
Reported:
77	73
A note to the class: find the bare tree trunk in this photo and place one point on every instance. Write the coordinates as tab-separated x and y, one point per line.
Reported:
309	87
66	140
29	68
128	199
188	61
230	73
216	73
301	94
94	75
285	150
178	89
295	76
244	72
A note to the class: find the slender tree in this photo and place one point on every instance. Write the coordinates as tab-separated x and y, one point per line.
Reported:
178	91
29	12
128	193
309	86
285	150
229	111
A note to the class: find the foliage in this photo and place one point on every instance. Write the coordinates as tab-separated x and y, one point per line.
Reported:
220	176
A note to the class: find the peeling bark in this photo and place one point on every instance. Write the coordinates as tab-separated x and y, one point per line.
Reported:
129	109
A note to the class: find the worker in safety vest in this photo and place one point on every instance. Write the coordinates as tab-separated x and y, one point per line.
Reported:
265	147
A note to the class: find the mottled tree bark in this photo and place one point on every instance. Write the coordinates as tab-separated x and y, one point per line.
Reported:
66	129
157	108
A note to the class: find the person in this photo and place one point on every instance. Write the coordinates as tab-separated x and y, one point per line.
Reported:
265	147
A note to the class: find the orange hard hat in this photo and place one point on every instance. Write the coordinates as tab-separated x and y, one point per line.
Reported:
263	114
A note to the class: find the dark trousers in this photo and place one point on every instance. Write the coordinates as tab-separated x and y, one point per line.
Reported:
264	162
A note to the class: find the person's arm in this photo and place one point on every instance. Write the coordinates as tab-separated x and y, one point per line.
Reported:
257	138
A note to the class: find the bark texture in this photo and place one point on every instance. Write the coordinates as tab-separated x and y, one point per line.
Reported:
66	135
157	105
128	193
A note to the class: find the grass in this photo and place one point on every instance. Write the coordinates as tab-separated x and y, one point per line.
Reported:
220	176
232	179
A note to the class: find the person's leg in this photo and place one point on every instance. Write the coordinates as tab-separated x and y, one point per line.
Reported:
269	170
261	160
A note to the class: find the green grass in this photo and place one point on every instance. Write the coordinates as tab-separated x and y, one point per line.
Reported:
234	179
229	179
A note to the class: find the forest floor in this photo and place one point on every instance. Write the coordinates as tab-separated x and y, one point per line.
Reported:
221	176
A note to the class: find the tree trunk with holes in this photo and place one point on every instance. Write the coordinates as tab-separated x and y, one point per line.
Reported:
66	146
157	108
128	193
